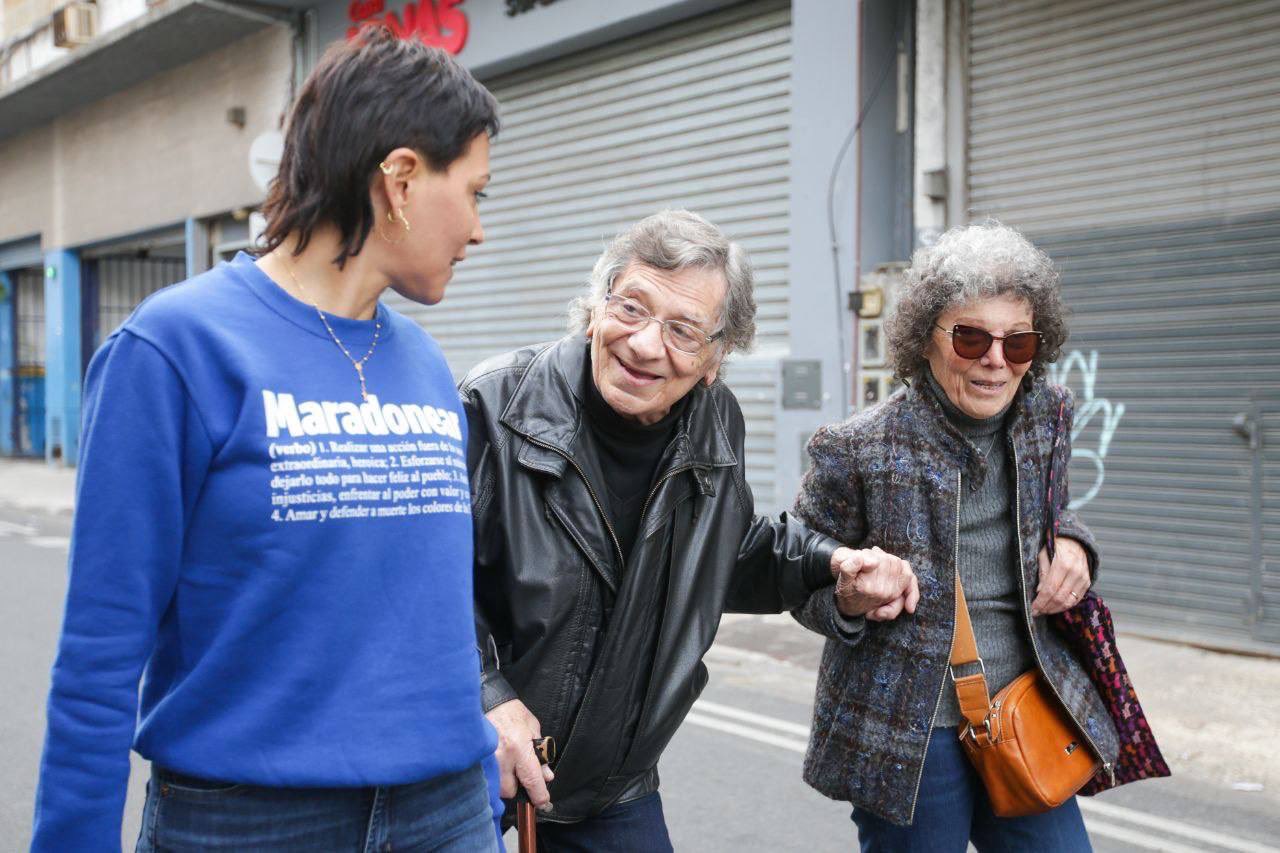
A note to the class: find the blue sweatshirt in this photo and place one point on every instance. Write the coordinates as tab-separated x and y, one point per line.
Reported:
290	564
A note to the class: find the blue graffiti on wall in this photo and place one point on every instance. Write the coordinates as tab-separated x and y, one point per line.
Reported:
1088	407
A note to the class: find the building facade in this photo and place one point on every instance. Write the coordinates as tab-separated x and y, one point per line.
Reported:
1135	141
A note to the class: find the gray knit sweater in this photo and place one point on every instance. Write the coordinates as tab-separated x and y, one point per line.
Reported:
988	558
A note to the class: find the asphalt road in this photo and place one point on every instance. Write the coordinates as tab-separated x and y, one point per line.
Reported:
731	779
731	782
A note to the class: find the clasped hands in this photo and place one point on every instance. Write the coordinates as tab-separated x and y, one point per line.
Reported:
873	583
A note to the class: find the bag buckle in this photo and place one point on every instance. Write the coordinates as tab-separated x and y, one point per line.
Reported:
969	731
979	662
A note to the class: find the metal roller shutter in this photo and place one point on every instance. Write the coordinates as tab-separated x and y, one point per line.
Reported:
1136	142
695	115
1267	518
29	357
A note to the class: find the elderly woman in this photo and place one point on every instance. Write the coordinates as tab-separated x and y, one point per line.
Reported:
614	526
950	474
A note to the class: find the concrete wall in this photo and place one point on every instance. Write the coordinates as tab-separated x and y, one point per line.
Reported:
21	15
26	170
824	106
154	155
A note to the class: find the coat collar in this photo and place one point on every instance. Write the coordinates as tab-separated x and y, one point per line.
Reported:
546	409
957	447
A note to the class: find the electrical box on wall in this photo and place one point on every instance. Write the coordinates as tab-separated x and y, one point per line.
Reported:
801	384
874	379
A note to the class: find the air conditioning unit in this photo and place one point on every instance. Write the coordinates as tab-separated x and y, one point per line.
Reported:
75	24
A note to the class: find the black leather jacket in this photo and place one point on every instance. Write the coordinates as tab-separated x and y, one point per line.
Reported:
561	621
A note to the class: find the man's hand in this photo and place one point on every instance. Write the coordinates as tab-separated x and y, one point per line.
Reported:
518	765
1064	582
873	584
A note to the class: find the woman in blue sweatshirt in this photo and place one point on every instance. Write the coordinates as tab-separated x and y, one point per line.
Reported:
273	531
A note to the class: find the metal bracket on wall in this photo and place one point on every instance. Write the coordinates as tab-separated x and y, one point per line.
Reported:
1247	428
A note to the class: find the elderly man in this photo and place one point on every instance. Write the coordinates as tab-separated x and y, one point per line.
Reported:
614	526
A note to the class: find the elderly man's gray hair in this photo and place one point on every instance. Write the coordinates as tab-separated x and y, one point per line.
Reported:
675	240
968	264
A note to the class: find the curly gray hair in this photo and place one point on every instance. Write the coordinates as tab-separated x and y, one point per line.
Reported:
674	240
972	263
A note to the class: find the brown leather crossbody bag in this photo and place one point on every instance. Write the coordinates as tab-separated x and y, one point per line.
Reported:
1028	751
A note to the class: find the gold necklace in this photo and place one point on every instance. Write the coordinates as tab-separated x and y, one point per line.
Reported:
358	364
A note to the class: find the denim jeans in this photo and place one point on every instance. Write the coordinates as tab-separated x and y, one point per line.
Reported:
449	813
953	810
636	826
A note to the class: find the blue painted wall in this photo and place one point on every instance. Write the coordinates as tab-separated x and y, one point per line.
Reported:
62	358
6	365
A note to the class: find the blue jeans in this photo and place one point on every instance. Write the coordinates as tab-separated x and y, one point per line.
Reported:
450	813
636	826
953	810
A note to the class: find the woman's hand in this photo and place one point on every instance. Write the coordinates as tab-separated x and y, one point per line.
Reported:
1064	582
873	584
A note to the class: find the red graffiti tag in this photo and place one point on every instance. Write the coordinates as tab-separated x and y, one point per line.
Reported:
435	22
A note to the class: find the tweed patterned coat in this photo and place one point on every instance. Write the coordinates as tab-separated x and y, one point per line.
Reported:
891	476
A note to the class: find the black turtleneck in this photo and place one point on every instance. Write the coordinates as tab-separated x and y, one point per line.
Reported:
628	454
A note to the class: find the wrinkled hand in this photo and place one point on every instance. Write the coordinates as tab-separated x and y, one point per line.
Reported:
518	765
1064	582
874	584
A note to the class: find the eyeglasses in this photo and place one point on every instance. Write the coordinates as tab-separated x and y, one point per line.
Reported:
683	337
972	342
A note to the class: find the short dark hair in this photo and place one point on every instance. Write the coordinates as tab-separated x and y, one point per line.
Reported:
367	96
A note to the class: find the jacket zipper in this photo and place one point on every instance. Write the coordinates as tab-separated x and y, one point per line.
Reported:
1026	612
658	485
648	691
621	562
618	548
955	567
599	506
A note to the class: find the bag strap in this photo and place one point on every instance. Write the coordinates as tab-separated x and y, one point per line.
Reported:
971	690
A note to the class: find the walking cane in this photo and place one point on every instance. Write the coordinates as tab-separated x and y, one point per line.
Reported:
526	820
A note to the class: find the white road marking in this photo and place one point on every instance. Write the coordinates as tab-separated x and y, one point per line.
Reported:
783	736
1164	824
749	717
9	528
50	542
746	732
1137	838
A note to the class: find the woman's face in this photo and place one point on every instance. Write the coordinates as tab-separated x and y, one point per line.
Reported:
980	387
444	218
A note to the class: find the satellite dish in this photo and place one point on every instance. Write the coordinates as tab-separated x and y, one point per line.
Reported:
264	158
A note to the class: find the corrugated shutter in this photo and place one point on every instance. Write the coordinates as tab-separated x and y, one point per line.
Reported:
695	115
1267	510
1136	142
1090	114
30	321
123	282
29	352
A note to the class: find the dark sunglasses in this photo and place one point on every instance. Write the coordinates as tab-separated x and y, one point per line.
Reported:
972	342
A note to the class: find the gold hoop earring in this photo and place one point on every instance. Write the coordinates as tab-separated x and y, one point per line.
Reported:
391	219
